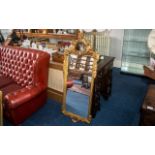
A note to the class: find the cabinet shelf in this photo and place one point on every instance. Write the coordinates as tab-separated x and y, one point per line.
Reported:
138	54
133	70
135	40
136	60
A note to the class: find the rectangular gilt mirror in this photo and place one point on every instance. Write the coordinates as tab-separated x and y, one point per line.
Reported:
80	67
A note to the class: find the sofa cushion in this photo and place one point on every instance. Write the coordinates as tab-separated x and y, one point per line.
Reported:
10	88
4	81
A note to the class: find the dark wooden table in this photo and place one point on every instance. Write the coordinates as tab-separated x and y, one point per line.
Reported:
103	83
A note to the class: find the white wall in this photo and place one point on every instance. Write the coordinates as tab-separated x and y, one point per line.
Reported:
116	44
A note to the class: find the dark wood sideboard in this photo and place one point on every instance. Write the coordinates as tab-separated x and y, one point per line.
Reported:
103	83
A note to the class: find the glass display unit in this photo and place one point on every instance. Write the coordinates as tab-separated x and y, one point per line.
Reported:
135	52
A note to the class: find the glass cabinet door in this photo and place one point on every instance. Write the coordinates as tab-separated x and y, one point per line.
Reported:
135	52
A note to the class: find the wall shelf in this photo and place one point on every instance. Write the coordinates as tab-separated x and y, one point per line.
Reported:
49	35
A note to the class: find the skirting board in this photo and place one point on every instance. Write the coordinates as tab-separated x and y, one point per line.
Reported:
55	95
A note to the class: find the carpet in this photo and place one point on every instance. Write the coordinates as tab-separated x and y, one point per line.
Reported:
121	109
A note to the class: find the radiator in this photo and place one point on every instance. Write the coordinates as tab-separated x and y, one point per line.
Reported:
100	41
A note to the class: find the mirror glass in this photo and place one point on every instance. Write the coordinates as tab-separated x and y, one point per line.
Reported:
79	84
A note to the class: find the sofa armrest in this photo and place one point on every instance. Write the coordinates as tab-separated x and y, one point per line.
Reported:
23	95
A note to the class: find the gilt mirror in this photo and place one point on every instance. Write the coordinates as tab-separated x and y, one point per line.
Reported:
80	67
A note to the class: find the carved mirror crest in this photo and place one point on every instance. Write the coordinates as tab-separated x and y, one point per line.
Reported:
80	67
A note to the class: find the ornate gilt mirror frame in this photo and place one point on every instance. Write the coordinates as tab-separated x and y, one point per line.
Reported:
86	52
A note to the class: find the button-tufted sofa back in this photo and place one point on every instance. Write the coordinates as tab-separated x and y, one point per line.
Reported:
23	65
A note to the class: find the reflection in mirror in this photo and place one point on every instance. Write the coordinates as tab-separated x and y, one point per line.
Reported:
78	92
80	46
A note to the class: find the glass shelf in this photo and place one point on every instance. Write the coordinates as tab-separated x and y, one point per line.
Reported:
133	70
136	47
136	60
133	54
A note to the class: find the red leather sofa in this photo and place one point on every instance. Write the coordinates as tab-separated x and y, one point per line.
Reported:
23	81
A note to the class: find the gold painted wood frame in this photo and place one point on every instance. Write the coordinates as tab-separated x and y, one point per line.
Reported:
87	52
1	110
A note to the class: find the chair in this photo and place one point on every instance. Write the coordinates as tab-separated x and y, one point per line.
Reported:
23	81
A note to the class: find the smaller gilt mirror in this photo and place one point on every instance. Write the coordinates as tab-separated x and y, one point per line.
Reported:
80	67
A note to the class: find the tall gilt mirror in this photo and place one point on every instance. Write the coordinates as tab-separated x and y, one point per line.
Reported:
80	67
